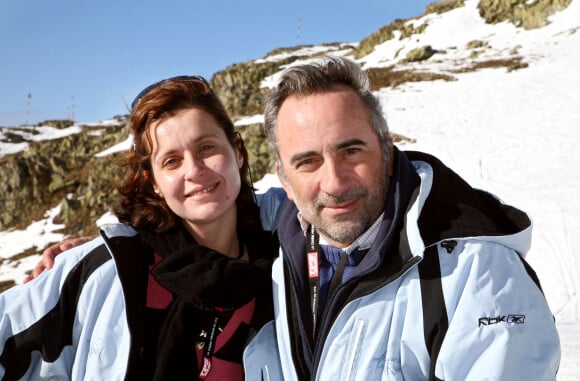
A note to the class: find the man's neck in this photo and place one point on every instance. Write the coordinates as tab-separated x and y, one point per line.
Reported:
364	241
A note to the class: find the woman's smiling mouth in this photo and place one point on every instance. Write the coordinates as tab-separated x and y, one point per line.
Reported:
205	190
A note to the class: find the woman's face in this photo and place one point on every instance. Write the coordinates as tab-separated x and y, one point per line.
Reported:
195	168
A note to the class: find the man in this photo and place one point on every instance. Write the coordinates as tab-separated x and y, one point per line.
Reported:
391	266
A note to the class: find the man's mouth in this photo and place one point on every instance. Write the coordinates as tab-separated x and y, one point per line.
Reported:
342	207
344	203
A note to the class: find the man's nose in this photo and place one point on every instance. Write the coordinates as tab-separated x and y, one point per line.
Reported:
334	176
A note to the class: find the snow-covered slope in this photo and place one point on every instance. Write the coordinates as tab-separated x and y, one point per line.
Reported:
515	133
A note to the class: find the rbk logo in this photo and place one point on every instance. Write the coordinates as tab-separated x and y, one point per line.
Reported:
509	319
516	319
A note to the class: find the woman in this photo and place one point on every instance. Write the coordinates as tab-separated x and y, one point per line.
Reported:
174	292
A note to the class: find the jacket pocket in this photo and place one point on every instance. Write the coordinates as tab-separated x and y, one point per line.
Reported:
352	355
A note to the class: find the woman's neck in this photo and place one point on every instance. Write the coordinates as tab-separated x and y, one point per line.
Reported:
220	236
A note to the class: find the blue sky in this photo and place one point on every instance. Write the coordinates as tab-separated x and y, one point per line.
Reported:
90	58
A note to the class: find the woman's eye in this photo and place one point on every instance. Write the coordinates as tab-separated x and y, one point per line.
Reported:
170	162
206	147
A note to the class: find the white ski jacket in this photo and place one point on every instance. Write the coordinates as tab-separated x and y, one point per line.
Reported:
462	305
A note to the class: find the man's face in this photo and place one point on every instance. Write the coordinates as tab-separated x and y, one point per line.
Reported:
333	163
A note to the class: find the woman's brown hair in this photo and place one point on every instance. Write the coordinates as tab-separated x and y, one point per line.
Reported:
141	207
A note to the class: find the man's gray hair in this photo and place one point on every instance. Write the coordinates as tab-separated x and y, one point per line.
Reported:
319	76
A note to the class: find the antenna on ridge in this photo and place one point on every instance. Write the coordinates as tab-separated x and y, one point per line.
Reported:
28	108
298	31
71	115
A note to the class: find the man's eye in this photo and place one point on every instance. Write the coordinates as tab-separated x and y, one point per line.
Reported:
305	164
352	150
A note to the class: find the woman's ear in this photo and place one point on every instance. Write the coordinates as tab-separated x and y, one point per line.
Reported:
240	158
148	178
156	190
239	146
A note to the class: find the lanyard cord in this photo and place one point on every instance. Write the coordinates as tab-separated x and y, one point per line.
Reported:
210	345
312	258
313	261
211	338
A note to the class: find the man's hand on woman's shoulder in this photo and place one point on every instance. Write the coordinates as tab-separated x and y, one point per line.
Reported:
47	260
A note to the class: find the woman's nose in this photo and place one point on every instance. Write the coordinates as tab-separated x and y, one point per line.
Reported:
193	168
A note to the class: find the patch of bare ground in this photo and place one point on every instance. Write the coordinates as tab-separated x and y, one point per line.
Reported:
511	64
6	284
24	254
398	138
392	77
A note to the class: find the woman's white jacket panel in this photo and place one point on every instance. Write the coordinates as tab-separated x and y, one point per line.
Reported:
84	305
99	345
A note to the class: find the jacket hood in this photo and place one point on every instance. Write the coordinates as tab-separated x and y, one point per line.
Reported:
449	208
444	207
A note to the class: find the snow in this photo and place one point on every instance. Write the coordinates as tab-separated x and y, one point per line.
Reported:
123	146
307	51
42	133
517	135
253	119
514	133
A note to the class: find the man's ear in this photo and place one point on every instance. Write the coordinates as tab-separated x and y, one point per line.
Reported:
390	146
283	180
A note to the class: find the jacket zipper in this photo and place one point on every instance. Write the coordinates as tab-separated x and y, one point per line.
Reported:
300	324
325	326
